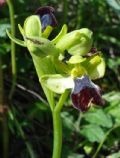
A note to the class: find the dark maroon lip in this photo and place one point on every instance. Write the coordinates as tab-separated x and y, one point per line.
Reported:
47	16
45	10
85	93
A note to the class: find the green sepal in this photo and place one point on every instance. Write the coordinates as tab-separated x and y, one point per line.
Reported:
62	32
41	47
58	83
77	42
17	41
32	26
21	31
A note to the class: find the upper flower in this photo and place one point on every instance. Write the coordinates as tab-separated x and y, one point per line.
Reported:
46	16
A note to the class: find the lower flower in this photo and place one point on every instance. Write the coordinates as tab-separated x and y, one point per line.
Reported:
85	93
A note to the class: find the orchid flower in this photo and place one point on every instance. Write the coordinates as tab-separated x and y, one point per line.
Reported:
77	71
67	62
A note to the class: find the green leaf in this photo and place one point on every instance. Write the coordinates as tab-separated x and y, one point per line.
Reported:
99	117
112	96
74	155
114	155
68	125
3	28
93	133
17	41
113	100
61	34
57	83
115	5
68	120
4	48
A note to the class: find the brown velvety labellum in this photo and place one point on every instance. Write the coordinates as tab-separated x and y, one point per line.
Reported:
47	10
84	93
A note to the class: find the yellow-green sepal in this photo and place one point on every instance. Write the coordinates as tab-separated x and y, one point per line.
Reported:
21	31
62	32
17	41
32	26
77	42
41	47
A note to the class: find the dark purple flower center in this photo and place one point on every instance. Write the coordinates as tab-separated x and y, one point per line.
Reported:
85	92
46	16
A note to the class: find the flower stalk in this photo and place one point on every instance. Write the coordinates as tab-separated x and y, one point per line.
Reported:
57	126
13	61
58	74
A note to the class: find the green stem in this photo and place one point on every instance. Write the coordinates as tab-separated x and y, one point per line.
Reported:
42	68
57	125
4	118
101	143
13	61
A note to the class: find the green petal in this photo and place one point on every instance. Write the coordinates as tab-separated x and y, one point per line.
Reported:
95	67
61	34
75	59
47	31
57	83
99	71
17	41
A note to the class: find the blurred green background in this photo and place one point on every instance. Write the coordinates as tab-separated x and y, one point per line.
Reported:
92	134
